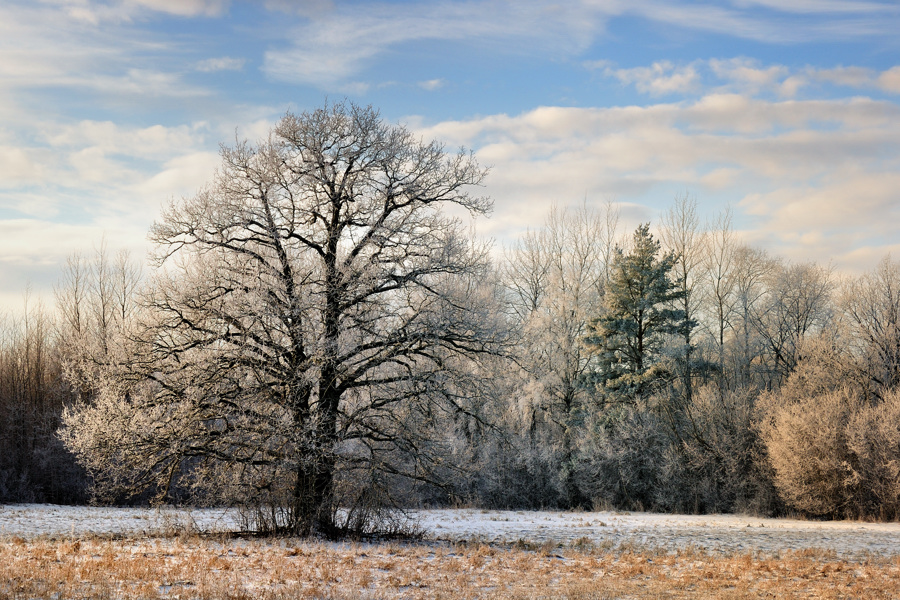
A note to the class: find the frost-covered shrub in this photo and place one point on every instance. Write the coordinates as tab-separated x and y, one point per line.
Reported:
517	473
834	448
622	456
704	458
873	436
714	464
806	428
806	439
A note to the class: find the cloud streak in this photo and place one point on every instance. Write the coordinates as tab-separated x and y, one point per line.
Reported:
747	76
659	79
317	51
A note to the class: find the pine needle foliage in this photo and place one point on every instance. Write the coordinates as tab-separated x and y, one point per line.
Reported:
640	314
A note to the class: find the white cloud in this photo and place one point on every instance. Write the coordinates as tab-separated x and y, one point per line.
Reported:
432	84
93	166
833	220
748	72
19	166
222	63
659	79
856	77
746	76
890	80
797	167
95	12
91	169
154	142
180	176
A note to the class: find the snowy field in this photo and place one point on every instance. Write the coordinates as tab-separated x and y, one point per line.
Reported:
715	533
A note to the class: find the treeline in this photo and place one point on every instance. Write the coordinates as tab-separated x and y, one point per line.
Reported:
34	464
46	356
319	342
695	375
763	386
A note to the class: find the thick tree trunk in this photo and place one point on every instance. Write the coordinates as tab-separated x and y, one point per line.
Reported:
304	508
313	511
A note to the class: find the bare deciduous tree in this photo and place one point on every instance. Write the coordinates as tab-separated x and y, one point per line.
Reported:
873	304
719	265
311	322
752	269
556	279
682	234
96	304
798	306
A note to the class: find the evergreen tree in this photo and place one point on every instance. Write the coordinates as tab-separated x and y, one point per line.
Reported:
640	313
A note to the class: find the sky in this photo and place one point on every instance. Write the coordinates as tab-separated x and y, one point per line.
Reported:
788	112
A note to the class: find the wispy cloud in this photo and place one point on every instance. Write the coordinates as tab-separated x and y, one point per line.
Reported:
222	63
746	76
785	22
659	79
432	84
42	46
307	8
820	6
316	51
117	11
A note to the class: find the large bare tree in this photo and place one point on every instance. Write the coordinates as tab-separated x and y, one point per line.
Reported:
312	317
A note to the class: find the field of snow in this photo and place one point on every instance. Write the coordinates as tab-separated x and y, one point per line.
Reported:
715	533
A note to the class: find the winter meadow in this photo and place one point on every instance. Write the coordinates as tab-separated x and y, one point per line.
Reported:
324	384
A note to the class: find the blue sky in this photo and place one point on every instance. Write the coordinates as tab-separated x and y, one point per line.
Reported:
788	111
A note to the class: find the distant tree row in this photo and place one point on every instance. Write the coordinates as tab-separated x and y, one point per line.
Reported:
47	362
698	374
319	342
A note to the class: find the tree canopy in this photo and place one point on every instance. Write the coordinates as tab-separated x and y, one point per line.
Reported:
311	314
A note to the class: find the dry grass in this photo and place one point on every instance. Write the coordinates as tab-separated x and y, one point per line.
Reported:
233	569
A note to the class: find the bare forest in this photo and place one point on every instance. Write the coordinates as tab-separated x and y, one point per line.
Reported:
320	338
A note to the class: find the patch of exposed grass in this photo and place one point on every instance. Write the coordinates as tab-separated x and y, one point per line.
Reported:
234	569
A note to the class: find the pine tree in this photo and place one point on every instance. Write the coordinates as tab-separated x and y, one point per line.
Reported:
640	313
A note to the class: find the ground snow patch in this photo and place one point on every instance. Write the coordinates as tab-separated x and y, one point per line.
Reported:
716	533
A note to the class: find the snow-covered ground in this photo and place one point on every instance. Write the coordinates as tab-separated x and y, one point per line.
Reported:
717	533
51	520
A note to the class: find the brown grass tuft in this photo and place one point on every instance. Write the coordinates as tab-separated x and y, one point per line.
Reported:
235	569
